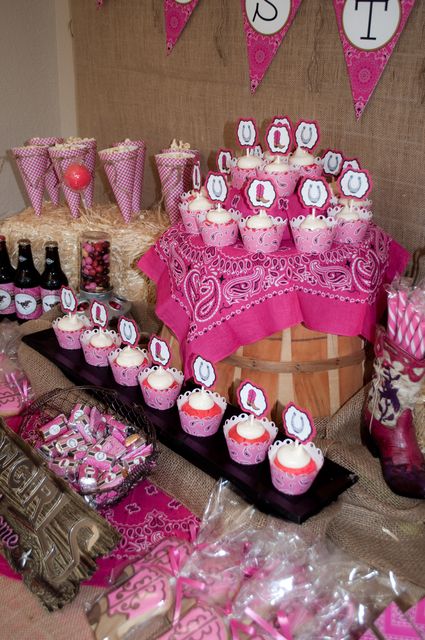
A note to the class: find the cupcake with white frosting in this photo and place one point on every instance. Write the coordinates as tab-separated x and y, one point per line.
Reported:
127	363
201	412
306	163
248	438
283	175
352	222
219	227
98	344
294	466
245	168
262	232
160	386
68	330
191	206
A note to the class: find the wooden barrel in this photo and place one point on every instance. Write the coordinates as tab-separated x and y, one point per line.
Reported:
317	371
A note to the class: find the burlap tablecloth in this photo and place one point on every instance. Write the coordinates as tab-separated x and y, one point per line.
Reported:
368	521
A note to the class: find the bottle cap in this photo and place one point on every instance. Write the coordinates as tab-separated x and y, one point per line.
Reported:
24	241
2	238
52	244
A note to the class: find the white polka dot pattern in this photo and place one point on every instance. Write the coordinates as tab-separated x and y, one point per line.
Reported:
120	169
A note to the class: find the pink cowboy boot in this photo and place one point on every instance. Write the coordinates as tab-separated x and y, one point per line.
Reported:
388	428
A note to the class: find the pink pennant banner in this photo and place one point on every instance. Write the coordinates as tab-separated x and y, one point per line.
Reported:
266	23
369	30
176	14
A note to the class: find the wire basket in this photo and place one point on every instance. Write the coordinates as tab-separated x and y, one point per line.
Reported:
58	401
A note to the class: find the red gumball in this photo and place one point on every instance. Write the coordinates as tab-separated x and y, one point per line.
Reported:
77	177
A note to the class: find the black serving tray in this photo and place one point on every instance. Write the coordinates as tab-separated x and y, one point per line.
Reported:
209	454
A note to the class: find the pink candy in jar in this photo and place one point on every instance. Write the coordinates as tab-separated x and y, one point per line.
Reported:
95	263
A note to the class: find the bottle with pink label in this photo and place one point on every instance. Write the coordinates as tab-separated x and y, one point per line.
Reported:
7	283
27	284
52	278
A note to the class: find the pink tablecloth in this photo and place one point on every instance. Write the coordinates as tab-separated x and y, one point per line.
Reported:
217	299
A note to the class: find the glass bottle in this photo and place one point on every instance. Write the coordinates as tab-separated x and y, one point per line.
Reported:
27	284
7	283
52	278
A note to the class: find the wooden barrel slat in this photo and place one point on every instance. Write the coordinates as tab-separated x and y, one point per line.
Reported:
317	371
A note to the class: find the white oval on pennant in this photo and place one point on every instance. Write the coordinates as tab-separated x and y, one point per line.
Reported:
216	187
204	372
278	138
355	184
332	162
261	193
247	133
314	193
307	134
267	16
371	25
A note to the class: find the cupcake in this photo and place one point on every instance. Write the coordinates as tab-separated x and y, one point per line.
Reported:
218	228
248	438
313	234
191	208
262	232
68	330
306	163
201	412
352	223
98	344
244	169
127	363
294	466
160	387
283	176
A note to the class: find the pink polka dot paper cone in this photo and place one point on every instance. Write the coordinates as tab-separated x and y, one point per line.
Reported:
127	376
294	484
32	163
264	240
190	218
218	235
283	181
161	398
52	182
201	427
139	172
98	356
175	172
70	339
120	168
313	241
241	176
62	158
351	231
243	452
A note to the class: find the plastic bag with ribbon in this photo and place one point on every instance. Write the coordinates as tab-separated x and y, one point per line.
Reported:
15	388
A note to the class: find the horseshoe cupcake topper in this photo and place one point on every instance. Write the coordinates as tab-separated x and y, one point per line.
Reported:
224	160
252	399
314	193
260	193
355	184
98	314
247	133
160	351
203	372
307	133
68	300
298	423
350	163
196	176
128	331
332	162
216	186
279	139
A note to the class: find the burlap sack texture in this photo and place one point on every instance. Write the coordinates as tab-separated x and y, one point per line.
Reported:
368	521
128	86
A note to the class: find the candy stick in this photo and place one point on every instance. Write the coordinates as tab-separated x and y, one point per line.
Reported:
401	308
413	334
392	314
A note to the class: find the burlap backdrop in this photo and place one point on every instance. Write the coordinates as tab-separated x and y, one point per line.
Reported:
128	86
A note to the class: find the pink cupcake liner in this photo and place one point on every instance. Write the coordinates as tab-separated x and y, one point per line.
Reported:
218	235
32	164
201	427
313	241
264	240
69	339
351	231
52	181
240	176
283	182
190	218
161	399
98	356
248	453
127	376
294	485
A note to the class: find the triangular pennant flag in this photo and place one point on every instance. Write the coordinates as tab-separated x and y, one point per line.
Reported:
265	24
176	14
369	30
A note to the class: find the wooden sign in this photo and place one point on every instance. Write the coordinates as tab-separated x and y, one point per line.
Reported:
48	533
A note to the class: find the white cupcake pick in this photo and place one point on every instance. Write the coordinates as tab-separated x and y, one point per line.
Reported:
205	375
225	160
298	425
332	161
279	139
252	400
69	303
314	193
355	184
260	193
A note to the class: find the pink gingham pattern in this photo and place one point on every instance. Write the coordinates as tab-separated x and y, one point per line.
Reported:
32	163
176	177
62	159
52	182
91	146
120	168
139	173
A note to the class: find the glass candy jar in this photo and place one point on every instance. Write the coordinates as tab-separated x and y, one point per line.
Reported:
95	253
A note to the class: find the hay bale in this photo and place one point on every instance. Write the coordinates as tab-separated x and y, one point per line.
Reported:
128	242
